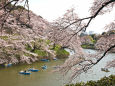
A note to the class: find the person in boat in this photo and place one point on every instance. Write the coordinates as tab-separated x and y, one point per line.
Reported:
44	65
25	71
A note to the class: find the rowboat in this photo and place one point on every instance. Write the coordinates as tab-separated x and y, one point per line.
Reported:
44	67
33	70
45	60
55	59
105	70
8	65
25	72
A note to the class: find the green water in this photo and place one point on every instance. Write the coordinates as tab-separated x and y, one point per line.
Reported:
11	77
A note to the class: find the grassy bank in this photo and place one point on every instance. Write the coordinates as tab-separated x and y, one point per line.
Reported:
60	52
88	46
38	47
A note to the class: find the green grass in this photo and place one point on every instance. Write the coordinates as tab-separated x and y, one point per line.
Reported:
4	37
48	42
27	54
91	39
41	53
60	53
88	46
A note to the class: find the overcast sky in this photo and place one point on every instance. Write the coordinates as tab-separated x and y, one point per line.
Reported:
52	9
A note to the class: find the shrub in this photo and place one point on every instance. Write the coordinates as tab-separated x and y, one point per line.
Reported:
88	46
105	81
41	53
60	53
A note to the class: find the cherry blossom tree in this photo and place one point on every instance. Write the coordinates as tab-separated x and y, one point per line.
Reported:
7	6
66	31
81	61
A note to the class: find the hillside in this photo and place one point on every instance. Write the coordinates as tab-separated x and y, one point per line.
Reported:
24	42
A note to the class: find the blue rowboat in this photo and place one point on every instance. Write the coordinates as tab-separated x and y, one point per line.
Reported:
45	60
24	73
55	59
8	65
44	67
33	70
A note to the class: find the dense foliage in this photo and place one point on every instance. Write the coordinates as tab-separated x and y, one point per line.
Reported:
106	81
88	46
60	52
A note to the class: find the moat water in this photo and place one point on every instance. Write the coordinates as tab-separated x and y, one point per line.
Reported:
11	77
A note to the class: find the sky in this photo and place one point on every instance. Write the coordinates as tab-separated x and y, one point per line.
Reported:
52	9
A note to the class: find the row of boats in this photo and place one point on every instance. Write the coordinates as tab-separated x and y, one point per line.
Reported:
28	72
47	60
6	65
44	60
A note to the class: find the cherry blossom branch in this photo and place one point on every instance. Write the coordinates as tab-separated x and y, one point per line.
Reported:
3	7
91	17
6	16
113	46
7	13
